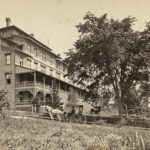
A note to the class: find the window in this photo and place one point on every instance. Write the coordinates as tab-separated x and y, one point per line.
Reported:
21	61
51	60
35	52
43	57
51	71
62	86
21	98
40	54
36	65
29	49
20	47
4	33
28	63
43	69
8	78
58	64
64	68
8	58
58	75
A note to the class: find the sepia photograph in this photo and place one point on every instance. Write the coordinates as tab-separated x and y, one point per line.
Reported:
74	75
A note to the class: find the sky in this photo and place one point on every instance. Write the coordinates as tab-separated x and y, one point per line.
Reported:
53	21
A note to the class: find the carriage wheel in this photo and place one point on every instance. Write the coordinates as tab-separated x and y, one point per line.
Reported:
77	118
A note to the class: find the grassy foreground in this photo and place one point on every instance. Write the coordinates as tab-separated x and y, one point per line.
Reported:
36	134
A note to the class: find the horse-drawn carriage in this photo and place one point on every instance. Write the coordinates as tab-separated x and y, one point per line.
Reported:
73	112
54	114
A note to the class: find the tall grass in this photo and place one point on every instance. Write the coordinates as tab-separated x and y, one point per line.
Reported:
36	134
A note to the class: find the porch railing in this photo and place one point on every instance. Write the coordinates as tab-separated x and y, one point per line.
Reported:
29	84
24	102
25	84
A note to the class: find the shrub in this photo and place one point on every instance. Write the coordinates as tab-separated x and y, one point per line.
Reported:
4	104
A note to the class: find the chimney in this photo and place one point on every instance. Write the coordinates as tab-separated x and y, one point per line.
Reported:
32	35
8	21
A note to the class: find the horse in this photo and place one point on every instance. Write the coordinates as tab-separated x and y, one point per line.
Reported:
53	112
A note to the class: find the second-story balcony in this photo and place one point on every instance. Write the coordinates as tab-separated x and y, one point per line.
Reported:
31	84
37	85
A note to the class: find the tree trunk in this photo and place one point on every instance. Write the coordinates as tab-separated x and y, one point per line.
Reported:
120	106
120	109
120	103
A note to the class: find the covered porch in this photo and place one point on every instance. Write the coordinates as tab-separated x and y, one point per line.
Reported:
28	84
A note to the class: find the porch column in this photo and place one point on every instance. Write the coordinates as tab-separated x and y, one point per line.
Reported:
34	79
52	83
34	84
75	91
80	93
59	85
65	88
34	96
84	94
44	89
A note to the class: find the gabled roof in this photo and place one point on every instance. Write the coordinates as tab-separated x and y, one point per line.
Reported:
15	44
29	36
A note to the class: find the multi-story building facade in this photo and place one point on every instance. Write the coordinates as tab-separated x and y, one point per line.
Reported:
28	67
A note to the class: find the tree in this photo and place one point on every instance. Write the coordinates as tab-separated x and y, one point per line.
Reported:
38	101
4	104
111	54
48	101
72	98
55	96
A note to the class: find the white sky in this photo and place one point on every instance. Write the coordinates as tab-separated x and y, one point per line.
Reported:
53	21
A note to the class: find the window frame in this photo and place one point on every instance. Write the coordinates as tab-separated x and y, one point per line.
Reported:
21	61
29	49
43	69
28	60
43	56
58	75
58	65
36	65
8	61
51	71
35	52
